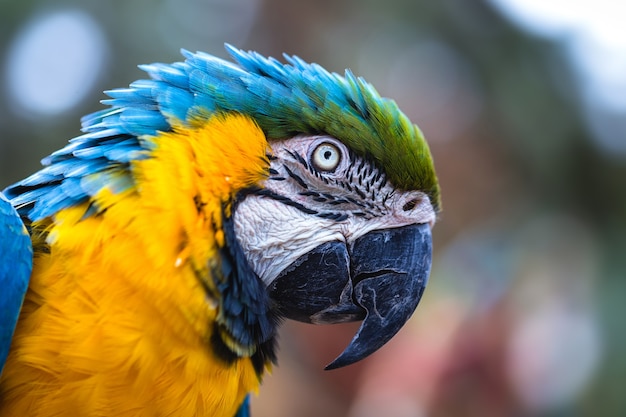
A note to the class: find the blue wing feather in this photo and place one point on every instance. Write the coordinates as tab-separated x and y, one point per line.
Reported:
16	257
244	409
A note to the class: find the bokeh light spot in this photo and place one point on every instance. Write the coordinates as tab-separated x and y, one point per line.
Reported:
594	37
53	62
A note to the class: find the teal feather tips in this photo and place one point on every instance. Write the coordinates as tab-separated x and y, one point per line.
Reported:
349	109
295	98
284	99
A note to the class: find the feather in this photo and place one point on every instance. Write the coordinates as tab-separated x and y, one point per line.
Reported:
284	99
15	266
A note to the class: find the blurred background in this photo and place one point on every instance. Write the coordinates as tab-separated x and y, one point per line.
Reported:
524	105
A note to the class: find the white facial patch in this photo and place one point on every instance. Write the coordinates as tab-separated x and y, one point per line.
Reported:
301	208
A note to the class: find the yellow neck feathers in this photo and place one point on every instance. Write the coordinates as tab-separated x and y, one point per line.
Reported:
117	321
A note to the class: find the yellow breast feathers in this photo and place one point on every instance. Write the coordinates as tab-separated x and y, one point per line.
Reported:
117	321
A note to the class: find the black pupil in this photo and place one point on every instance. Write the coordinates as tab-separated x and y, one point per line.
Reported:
328	154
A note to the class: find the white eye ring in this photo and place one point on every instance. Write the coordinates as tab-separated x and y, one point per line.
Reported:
326	157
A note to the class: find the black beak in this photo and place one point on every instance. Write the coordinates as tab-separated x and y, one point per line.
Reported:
379	279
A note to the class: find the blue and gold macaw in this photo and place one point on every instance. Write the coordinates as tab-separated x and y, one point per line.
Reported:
204	205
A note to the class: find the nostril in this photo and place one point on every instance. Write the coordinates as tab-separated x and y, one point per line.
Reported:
410	205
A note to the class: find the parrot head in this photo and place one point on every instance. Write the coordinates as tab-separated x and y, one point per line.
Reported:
337	230
344	244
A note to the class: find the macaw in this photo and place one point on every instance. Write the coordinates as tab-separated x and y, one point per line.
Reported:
200	208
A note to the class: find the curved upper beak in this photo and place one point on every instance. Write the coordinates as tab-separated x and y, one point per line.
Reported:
379	279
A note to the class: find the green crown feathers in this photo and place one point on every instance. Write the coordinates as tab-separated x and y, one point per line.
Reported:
284	99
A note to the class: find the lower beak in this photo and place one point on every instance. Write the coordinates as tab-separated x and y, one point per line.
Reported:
379	279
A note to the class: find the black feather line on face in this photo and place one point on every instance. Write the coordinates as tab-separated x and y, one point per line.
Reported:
285	200
361	185
296	177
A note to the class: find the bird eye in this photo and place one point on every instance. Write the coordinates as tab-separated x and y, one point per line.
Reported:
326	157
